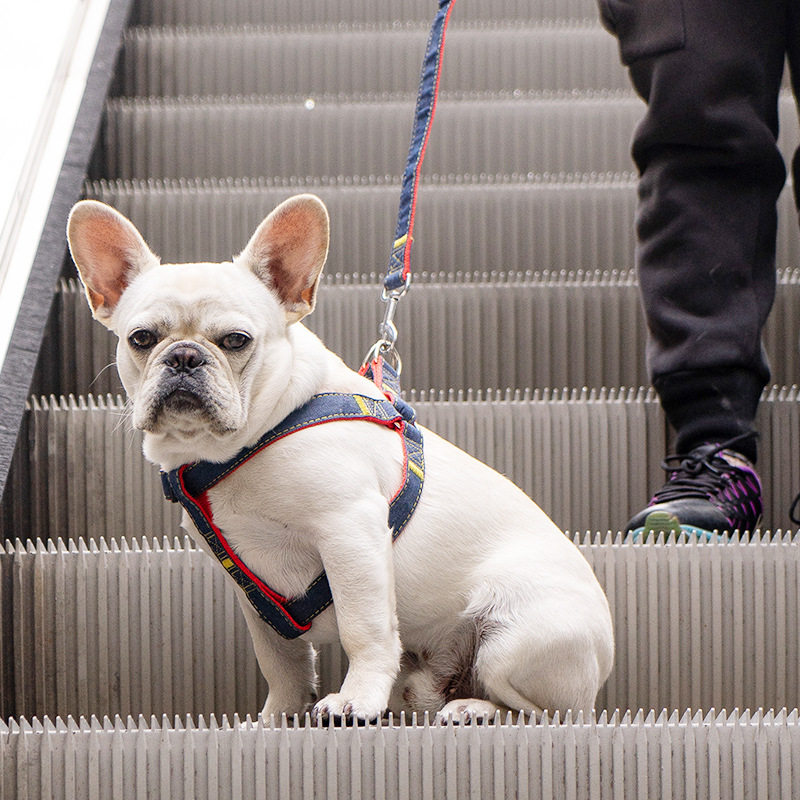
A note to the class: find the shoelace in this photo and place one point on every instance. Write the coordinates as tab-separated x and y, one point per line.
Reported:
793	515
696	475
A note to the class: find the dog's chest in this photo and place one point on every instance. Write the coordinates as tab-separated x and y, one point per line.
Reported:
263	524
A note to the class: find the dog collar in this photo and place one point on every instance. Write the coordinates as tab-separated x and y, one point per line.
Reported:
190	483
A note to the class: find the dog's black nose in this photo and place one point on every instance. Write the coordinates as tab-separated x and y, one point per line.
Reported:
185	358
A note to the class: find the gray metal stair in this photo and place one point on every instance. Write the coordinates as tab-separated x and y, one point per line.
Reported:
467	331
459	331
368	135
334	12
691	755
153	628
465	223
86	477
83	475
329	59
518	132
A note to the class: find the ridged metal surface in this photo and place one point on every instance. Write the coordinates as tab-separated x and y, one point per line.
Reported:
686	757
475	133
85	475
486	56
465	223
154	628
82	473
469	223
125	629
590	459
369	136
548	330
459	332
314	12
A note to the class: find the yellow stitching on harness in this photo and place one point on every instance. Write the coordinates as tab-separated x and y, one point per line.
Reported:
227	563
416	470
401	241
361	404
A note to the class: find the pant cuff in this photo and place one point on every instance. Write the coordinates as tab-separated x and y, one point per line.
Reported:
711	406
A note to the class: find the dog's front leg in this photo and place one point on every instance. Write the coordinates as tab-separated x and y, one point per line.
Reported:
287	665
361	576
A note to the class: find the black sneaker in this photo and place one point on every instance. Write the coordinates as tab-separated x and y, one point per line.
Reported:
712	489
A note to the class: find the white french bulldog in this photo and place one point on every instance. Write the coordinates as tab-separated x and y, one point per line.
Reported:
481	604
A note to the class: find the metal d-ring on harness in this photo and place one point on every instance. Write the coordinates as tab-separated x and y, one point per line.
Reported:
189	484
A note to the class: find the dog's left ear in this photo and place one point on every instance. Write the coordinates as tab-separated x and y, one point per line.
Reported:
288	251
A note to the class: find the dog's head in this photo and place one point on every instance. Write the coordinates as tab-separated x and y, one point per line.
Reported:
203	348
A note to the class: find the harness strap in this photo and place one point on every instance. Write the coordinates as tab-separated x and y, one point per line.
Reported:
400	258
190	483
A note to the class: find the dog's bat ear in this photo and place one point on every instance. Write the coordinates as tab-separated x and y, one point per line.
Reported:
108	252
288	251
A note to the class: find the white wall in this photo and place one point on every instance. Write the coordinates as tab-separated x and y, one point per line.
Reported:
46	50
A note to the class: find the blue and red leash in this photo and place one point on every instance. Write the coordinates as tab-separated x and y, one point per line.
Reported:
398	277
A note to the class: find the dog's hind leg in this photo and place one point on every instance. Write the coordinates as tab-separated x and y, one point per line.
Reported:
486	692
417	687
538	654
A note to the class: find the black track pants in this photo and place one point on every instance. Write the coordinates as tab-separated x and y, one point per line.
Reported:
710	176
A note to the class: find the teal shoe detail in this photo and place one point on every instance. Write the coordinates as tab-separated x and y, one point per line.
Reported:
663	522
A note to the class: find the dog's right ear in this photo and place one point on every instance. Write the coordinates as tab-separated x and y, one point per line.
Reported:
108	252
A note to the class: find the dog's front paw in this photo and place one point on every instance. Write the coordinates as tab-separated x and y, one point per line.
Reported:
338	705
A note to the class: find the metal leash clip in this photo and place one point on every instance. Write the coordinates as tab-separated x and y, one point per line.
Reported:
387	330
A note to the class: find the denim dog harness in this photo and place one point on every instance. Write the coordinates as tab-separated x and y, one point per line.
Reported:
189	485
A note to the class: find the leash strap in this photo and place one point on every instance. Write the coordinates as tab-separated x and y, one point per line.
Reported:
189	485
400	258
398	277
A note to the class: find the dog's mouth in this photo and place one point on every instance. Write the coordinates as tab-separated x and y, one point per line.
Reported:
183	399
178	400
186	404
180	391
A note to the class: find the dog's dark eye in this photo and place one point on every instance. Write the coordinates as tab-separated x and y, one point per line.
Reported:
234	341
142	339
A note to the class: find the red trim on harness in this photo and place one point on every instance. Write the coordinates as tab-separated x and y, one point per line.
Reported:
377	370
405	463
407	252
204	505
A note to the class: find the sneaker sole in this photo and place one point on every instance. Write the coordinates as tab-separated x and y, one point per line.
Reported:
666	523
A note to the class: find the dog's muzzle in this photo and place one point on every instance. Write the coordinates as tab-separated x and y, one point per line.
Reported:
183	385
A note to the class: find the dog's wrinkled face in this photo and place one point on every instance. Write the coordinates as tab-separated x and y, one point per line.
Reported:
193	340
201	344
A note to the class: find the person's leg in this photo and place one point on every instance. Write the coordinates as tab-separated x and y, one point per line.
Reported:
793	54
710	175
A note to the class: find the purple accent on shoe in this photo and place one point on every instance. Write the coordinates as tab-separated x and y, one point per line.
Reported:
710	488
